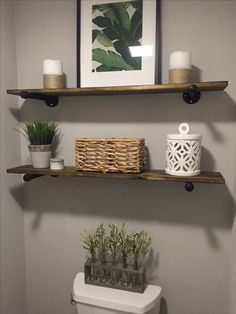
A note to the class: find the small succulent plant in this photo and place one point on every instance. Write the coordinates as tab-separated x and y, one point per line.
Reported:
40	132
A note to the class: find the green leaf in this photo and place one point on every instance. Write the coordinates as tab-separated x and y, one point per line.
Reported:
138	5
136	22
117	32
110	58
94	34
106	68
109	13
103	39
122	14
139	33
102	21
94	8
123	50
125	35
111	33
101	7
127	4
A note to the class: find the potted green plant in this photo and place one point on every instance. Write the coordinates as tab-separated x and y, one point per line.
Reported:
103	247
114	242
103	242
40	135
141	242
125	242
90	244
114	249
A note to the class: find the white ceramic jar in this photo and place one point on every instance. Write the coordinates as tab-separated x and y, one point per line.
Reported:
183	152
56	163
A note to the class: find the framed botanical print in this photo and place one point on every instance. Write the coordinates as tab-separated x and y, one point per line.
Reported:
118	42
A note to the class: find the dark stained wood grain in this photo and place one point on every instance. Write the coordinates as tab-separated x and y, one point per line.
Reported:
124	90
154	175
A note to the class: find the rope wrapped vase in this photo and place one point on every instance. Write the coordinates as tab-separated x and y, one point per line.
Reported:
124	155
183	153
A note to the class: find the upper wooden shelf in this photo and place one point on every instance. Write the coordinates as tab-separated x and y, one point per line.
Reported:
191	91
153	175
119	90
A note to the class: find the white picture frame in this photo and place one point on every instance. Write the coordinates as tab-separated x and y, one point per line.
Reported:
146	74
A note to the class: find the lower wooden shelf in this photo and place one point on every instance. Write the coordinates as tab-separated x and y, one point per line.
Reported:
154	175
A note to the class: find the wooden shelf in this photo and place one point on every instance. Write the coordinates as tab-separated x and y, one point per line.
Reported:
119	90
153	175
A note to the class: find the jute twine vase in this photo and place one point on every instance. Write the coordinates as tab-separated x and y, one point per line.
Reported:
53	81
179	76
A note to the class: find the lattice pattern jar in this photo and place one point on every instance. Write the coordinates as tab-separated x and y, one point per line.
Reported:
183	152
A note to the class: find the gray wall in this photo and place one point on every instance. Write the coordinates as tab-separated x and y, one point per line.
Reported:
12	255
193	249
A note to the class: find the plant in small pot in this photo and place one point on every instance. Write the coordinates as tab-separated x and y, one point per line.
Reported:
141	242
114	242
114	249
40	135
103	246
125	242
90	244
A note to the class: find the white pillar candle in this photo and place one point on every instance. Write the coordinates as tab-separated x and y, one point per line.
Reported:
180	60
52	67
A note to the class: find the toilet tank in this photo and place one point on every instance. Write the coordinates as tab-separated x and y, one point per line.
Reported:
91	299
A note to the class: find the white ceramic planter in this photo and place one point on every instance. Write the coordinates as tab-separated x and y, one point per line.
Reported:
40	155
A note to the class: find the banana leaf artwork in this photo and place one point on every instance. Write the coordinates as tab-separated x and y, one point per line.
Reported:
118	42
116	26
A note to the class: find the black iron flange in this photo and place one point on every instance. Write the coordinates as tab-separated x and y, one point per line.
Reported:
192	95
189	187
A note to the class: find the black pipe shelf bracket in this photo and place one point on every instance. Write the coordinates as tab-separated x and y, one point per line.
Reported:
192	95
189	187
30	176
50	101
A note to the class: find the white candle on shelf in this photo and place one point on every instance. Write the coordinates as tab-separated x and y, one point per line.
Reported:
180	67
180	60
52	67
53	76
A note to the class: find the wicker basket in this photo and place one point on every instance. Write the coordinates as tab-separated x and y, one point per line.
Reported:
110	154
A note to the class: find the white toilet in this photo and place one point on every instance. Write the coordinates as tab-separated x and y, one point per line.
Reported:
91	299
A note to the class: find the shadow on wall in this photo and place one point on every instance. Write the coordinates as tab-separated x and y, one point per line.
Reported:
144	201
213	107
163	306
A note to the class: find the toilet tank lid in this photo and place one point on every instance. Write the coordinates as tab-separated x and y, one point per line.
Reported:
119	300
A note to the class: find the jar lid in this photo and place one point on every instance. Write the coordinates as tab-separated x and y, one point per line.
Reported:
56	159
184	134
